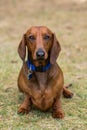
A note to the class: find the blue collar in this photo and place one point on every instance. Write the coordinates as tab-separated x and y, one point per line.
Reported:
32	67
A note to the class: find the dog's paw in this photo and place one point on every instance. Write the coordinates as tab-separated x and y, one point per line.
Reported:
68	94
23	110
58	114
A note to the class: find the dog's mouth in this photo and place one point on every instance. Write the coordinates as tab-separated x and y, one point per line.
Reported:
41	61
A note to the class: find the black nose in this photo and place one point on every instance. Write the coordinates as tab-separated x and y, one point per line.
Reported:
40	54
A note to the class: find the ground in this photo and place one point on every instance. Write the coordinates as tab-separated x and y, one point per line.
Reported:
68	19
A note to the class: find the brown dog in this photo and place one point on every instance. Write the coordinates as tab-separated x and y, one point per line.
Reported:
41	79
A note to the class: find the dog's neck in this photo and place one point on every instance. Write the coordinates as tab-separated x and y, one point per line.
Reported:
40	68
32	68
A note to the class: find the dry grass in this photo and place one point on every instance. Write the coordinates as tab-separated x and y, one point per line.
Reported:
69	21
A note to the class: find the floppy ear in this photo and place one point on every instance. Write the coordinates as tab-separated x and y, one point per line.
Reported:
22	48
54	50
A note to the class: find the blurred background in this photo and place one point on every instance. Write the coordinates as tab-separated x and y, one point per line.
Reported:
68	19
65	16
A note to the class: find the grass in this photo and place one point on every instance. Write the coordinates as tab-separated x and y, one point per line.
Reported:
69	21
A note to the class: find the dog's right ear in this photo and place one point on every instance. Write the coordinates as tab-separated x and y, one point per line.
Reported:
55	50
22	48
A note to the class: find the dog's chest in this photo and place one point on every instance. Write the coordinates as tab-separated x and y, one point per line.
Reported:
42	80
42	98
42	93
40	87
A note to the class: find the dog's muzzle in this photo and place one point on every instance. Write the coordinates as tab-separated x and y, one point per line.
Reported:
40	54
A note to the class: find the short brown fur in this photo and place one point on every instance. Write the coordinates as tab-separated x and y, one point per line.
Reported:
44	89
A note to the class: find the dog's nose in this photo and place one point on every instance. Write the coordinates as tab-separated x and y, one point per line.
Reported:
40	54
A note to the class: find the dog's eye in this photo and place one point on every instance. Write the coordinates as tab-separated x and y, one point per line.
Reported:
46	37
31	37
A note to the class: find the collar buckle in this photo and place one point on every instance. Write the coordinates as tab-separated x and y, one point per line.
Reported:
29	75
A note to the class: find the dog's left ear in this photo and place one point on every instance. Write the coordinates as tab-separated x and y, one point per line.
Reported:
22	48
55	50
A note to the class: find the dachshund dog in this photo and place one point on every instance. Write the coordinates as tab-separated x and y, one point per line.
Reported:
41	79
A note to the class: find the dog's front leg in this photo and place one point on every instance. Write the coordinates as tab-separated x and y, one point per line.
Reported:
57	109
25	106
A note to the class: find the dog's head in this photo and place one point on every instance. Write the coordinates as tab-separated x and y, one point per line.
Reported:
42	46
